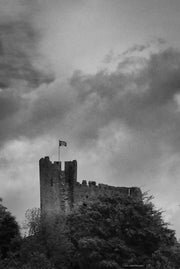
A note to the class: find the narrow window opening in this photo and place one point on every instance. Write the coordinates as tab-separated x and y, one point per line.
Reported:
129	192
62	166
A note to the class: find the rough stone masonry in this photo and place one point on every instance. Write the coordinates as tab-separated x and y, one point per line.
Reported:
60	191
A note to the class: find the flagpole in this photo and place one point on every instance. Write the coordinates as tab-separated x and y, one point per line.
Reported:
59	153
61	143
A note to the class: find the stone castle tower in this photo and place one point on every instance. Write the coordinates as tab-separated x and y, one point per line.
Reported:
57	186
60	191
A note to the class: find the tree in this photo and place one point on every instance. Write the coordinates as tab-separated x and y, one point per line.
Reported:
9	232
59	247
32	220
106	233
47	238
114	230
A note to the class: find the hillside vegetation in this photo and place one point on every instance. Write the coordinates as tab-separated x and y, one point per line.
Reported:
108	233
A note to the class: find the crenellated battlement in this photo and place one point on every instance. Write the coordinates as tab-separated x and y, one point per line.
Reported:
69	165
92	184
60	191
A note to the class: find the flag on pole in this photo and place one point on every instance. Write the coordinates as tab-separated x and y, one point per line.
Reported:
62	143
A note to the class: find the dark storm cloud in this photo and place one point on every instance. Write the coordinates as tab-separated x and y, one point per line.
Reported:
163	73
18	53
143	99
48	110
136	48
22	68
9	104
138	101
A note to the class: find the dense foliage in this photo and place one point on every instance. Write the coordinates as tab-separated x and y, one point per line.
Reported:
9	232
110	232
118	230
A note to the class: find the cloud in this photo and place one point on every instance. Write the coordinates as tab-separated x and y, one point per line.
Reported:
20	59
22	68
131	120
121	122
18	55
144	100
124	119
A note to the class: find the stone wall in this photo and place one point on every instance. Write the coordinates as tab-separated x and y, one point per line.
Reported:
60	191
89	191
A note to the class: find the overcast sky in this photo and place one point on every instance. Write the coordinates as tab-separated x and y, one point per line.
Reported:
103	75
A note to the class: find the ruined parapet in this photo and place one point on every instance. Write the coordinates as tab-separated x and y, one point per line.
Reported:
85	191
57	186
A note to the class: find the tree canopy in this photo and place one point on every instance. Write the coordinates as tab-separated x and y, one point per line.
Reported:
9	231
111	232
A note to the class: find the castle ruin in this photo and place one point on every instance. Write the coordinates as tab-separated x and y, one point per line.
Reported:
60	191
